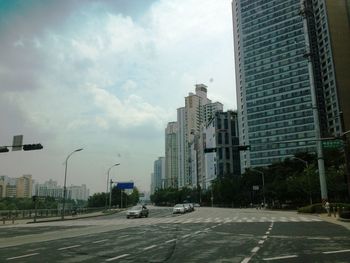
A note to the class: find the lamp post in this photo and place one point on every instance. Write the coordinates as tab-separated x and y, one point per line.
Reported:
307	174
65	181
263	183
109	169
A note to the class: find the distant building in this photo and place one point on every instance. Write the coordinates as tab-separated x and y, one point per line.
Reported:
16	187
181	146
221	135
159	173
24	186
52	189
171	155
197	111
75	192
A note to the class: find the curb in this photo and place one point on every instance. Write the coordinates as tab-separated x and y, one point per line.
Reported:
74	218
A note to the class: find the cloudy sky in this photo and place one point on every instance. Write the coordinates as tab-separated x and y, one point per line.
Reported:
106	76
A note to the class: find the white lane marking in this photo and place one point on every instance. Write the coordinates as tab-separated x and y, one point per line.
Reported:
124	236
267	232
336	251
197	232
254	250
63	248
171	240
150	247
261	242
23	256
99	241
186	236
264	237
246	260
207	229
282	257
118	257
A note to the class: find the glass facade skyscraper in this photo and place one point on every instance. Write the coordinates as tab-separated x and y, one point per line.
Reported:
272	80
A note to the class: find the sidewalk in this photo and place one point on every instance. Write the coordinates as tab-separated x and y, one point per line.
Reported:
335	220
52	219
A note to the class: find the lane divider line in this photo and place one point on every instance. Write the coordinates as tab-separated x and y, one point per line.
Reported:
118	257
282	257
337	251
171	240
150	247
63	248
99	241
23	256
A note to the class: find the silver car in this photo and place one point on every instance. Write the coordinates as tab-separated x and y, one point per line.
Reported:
137	211
179	209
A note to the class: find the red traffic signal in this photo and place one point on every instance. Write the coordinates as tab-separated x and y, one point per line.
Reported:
30	147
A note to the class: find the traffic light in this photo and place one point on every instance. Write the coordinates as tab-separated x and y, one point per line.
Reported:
4	149
30	147
243	147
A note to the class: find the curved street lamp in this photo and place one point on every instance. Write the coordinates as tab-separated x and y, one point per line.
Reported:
110	192
65	180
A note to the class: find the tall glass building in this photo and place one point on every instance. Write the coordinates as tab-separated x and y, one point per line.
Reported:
272	80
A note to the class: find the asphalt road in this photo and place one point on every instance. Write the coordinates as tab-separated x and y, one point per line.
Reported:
205	235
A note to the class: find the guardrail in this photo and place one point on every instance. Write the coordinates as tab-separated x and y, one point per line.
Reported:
12	215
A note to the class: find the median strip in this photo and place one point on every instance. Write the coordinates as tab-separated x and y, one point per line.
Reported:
23	256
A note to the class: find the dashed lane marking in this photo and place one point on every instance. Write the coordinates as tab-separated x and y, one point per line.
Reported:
150	247
282	257
336	251
117	257
99	241
23	256
64	248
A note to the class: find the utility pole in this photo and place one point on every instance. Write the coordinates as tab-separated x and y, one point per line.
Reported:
320	159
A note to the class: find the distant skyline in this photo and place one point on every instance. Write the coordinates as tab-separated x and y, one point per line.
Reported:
106	76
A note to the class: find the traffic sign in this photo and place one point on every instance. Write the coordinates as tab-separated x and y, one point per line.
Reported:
332	144
125	185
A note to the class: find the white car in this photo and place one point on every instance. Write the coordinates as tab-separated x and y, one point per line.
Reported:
179	209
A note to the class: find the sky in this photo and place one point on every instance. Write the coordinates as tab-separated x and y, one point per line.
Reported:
106	76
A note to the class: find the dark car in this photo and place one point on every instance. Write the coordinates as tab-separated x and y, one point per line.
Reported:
137	211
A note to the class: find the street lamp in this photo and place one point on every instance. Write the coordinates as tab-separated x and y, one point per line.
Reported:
65	180
307	175
110	192
263	183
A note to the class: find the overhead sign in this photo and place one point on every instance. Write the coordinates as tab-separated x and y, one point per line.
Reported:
17	143
125	185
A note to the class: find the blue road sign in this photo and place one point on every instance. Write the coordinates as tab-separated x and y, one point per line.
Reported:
127	185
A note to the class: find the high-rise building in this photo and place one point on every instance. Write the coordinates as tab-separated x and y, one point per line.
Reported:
221	134
171	155
181	147
273	80
197	111
24	186
330	22
159	173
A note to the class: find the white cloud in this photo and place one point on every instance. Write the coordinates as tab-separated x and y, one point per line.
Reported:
100	75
